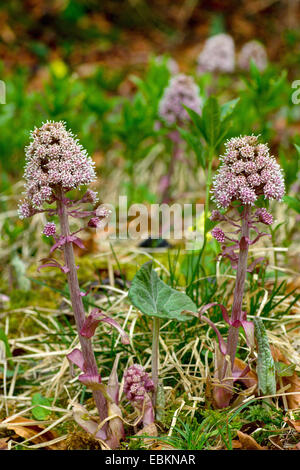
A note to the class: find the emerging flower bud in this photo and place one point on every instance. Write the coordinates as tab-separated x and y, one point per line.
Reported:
253	50
182	90
218	234
264	216
217	55
49	229
90	196
93	222
137	384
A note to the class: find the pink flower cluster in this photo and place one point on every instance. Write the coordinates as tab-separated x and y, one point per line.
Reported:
218	234
253	50
182	90
247	172
53	158
218	55
264	216
137	384
49	229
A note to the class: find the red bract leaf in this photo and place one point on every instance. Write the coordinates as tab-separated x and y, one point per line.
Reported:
87	422
51	262
223	310
93	320
76	240
254	263
59	243
92	381
77	214
76	357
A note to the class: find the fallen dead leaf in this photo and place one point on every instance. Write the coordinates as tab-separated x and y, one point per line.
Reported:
23	428
293	424
4	443
249	379
248	443
149	430
163	447
294	381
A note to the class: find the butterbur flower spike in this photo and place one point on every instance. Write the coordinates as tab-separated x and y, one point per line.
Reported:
137	385
247	172
54	158
182	90
218	55
255	51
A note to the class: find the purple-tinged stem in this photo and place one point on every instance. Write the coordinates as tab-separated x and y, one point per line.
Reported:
78	309
236	313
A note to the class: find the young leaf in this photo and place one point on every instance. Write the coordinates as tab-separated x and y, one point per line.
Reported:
194	143
265	363
3	338
196	119
155	298
228	108
292	203
38	412
211	121
284	370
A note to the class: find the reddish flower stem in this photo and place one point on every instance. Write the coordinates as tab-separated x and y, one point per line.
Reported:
236	313
78	309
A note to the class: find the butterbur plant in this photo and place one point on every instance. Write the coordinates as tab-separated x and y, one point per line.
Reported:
55	164
181	92
247	174
218	55
255	51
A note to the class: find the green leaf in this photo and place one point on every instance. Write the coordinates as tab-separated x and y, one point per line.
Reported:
292	202
3	338
211	121
265	363
228	108
297	148
196	118
194	142
153	297
284	370
38	412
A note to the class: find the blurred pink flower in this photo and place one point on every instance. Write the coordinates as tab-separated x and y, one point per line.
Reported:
182	90
218	55
253	50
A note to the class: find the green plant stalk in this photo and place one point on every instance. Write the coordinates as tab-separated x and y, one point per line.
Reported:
155	358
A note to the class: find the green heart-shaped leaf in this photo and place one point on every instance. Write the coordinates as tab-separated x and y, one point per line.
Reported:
153	297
